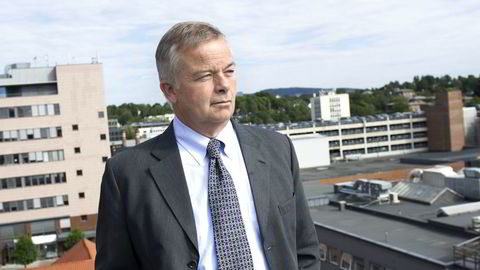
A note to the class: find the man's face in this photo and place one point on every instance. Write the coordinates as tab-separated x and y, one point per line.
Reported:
204	95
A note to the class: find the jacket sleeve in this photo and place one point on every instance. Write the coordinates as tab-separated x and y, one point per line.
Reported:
308	249
114	248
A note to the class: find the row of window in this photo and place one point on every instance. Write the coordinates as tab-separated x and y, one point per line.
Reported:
30	111
353	141
28	90
33	180
30	134
376	139
346	261
37	203
31	157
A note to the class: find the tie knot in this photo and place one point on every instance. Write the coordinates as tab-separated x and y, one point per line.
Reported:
213	148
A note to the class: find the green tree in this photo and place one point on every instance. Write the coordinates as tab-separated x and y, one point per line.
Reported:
400	104
25	251
130	132
73	237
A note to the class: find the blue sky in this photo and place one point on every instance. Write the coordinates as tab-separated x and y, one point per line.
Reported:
328	43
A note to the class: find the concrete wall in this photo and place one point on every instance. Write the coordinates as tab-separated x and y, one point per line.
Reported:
311	150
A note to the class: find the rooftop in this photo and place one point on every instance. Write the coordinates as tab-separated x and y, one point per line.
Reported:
404	236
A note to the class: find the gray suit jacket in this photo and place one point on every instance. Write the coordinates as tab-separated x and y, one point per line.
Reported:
145	218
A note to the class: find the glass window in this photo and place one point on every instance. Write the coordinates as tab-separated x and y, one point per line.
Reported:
334	255
14	135
23	134
50	109
18	182
42	110
346	261
53	132
36	203
59	131
48	179
101	114
39	156
56	108
6	136
44	133
30	134
34	110
56	177
54	155
323	252
60	155
36	133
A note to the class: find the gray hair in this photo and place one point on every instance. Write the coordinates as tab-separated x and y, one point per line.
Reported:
184	35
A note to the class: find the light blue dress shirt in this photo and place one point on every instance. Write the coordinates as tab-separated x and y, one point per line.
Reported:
193	152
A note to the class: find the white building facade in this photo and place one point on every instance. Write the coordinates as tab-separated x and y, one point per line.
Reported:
53	149
368	137
329	106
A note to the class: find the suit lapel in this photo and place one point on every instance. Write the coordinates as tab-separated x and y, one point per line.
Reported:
258	173
170	180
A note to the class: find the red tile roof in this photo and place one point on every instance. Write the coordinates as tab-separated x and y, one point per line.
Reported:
79	257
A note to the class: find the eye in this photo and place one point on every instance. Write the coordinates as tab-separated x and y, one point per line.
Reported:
230	72
204	77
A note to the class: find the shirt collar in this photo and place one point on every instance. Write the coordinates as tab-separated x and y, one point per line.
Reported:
196	143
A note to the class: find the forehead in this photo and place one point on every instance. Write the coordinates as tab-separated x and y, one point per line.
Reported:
210	53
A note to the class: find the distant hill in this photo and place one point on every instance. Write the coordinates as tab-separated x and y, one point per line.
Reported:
298	91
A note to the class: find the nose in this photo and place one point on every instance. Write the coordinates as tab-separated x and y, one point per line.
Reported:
221	83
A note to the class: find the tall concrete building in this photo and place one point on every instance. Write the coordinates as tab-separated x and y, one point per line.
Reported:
329	106
445	122
53	149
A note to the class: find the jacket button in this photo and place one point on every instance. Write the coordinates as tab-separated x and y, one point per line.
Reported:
192	265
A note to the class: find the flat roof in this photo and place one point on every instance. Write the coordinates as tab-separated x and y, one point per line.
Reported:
430	158
411	238
347	168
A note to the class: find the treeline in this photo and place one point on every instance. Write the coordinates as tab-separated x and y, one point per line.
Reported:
262	107
131	112
383	100
428	85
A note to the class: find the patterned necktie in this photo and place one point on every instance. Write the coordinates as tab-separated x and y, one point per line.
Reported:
231	244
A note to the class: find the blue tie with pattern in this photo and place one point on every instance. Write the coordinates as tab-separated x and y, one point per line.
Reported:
231	243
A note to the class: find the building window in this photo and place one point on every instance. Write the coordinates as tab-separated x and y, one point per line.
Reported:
346	261
84	218
101	114
323	252
104	159
103	137
358	264
31	204
75	127
81	195
30	134
334	255
79	172
31	157
77	150
30	111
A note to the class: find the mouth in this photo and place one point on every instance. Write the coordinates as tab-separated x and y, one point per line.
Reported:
223	102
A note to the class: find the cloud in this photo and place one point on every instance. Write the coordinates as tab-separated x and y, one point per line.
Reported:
327	43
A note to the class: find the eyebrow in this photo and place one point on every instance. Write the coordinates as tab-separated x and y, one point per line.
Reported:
232	64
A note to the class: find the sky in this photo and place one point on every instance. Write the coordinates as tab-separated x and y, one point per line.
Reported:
324	44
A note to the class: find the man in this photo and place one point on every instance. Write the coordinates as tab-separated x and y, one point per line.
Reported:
208	193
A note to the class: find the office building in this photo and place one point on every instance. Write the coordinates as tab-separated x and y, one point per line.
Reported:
53	149
369	136
445	122
329	106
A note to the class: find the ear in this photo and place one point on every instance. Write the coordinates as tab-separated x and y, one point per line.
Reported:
168	91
